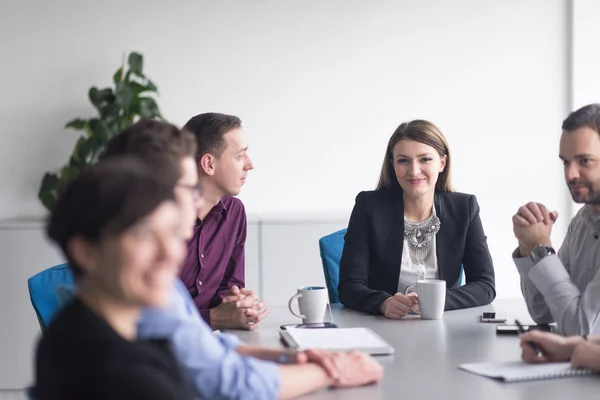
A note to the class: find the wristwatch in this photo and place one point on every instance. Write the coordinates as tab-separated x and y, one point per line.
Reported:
540	252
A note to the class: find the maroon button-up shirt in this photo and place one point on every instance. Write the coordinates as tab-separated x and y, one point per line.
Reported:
216	259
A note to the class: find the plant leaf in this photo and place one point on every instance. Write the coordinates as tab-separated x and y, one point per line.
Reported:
151	86
49	181
48	192
76	156
148	108
100	134
124	96
138	88
85	151
77	124
68	173
118	108
136	63
118	75
101	98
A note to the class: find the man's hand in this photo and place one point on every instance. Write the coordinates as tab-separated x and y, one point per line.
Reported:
397	306
532	225
586	355
243	297
240	309
554	347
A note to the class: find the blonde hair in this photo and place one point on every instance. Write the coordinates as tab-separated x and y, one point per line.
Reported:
420	131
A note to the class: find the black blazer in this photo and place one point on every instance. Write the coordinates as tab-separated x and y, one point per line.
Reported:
371	260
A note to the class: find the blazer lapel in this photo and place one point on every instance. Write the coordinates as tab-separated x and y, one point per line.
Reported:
444	238
396	240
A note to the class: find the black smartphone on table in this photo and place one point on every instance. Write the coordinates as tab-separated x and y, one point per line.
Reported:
505	329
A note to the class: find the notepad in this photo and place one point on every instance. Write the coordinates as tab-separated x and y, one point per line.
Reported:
341	339
517	371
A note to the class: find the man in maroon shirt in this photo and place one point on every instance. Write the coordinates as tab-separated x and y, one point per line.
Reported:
214	271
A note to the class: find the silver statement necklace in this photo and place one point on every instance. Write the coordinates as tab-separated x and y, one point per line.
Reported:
419	236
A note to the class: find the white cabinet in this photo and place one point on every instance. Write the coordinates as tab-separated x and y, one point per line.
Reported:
25	252
291	258
281	255
252	257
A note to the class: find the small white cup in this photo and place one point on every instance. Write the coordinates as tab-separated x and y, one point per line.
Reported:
312	302
432	298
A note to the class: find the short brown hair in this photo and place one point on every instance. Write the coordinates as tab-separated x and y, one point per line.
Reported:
105	200
420	131
209	129
161	145
587	116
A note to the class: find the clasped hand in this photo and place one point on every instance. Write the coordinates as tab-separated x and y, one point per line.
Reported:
240	309
532	226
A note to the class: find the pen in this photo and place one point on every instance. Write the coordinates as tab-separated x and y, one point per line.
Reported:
533	346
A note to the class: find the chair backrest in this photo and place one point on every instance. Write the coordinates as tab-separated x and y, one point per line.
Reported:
331	247
49	291
29	393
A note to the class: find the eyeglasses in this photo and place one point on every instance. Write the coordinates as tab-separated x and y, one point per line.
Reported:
196	190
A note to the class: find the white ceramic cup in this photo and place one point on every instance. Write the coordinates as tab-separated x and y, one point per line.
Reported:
432	298
312	302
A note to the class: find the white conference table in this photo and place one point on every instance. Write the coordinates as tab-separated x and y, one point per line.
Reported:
425	365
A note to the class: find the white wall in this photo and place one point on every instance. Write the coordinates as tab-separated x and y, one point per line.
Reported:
320	86
586	57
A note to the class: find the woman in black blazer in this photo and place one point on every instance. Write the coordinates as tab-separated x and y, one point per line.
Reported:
412	227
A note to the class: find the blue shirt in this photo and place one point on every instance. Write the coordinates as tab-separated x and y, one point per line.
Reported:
209	361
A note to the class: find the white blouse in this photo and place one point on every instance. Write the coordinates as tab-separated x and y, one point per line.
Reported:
410	272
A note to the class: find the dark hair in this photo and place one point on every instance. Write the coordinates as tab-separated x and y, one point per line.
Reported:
209	129
105	200
587	116
159	144
420	131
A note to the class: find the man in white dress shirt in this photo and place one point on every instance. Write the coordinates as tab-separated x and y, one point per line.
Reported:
565	287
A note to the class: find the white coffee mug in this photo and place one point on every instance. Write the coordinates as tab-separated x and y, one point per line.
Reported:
312	302
432	298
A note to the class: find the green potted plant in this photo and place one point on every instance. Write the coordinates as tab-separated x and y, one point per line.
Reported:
118	107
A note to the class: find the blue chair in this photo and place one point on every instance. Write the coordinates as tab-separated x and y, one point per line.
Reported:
331	247
49	291
29	394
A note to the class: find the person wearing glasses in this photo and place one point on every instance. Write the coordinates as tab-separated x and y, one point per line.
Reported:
221	366
125	256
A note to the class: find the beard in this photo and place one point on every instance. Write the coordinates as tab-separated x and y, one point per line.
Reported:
590	196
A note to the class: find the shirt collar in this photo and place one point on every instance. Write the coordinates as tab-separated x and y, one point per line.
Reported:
219	208
590	214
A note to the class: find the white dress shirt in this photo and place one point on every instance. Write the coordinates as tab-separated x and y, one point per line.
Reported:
566	288
411	272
